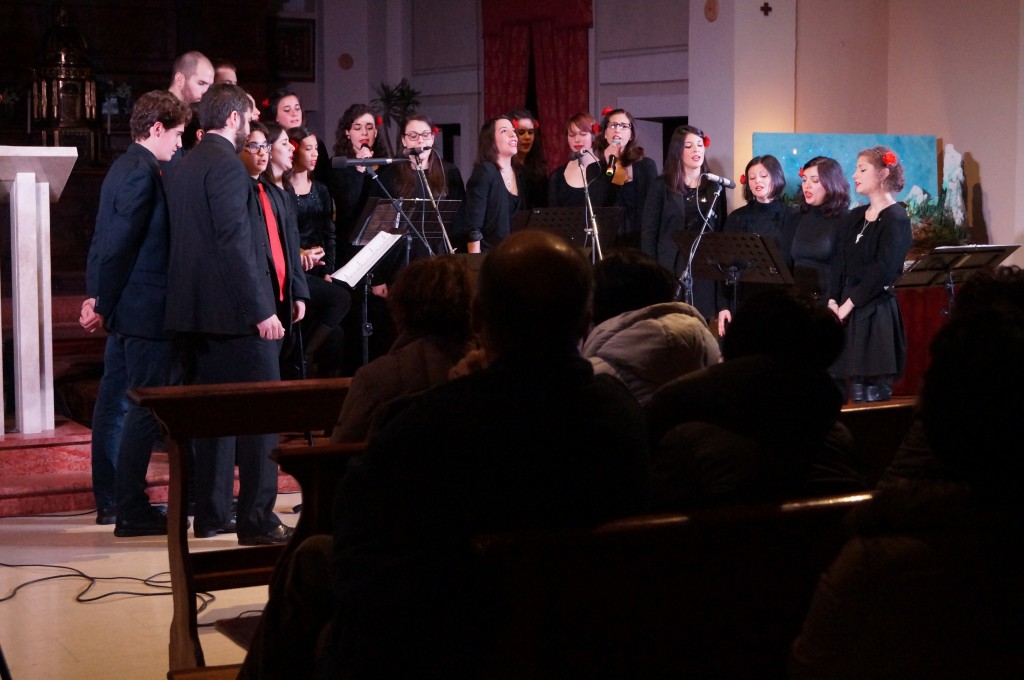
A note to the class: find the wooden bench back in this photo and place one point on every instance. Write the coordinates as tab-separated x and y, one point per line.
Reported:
718	593
191	411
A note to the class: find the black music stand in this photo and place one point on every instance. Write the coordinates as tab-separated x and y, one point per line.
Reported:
571	223
432	225
731	257
950	265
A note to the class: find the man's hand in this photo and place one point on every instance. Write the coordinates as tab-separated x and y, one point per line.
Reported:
271	328
89	319
298	311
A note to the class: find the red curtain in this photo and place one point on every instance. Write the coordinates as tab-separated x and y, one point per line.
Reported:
557	33
561	55
922	318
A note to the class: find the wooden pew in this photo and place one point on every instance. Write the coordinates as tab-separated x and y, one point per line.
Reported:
878	429
720	593
192	411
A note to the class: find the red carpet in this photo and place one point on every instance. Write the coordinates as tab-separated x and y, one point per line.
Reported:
51	472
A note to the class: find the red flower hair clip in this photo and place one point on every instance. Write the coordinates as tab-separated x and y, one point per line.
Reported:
515	124
265	103
379	121
743	179
707	141
606	110
596	128
536	124
295	145
801	173
889	158
435	131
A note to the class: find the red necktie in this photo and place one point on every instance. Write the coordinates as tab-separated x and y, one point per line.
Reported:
276	251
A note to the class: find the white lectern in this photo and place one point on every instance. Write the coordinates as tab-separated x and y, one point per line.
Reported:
33	177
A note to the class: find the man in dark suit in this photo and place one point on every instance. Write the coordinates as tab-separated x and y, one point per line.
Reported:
224	301
126	279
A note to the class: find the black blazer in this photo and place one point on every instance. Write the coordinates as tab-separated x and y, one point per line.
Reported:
217	281
127	263
488	209
296	287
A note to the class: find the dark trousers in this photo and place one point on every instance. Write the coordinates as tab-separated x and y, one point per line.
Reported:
107	422
147	364
227	359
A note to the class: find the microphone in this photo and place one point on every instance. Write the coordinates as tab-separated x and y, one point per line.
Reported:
612	161
339	162
417	150
576	155
724	181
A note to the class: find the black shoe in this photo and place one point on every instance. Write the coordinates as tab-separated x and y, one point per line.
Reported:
277	535
106	515
230	527
151	523
878	393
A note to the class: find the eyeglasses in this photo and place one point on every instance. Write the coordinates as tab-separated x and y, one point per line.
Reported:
620	126
524	131
414	136
256	147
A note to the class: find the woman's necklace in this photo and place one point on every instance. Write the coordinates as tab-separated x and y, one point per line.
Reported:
860	234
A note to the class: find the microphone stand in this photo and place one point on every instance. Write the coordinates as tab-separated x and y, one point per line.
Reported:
422	172
686	279
590	220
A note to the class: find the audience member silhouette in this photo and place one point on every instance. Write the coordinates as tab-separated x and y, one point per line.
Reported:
762	425
535	441
930	586
642	337
429	303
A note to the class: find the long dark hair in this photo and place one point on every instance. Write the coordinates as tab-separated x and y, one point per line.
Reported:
487	148
632	152
274	132
837	188
674	176
342	145
408	180
774	168
533	164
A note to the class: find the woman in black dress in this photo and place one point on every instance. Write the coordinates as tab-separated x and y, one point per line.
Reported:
493	192
530	156
565	187
329	300
401	180
824	201
681	200
871	254
766	214
356	138
632	173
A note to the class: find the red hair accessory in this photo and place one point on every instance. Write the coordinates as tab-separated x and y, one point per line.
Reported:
606	110
707	141
515	123
801	173
380	121
265	103
743	179
435	131
596	128
536	124
889	158
295	145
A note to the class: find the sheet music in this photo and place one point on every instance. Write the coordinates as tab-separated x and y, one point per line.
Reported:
356	268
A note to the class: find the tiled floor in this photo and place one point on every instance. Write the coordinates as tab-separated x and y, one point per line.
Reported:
47	635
